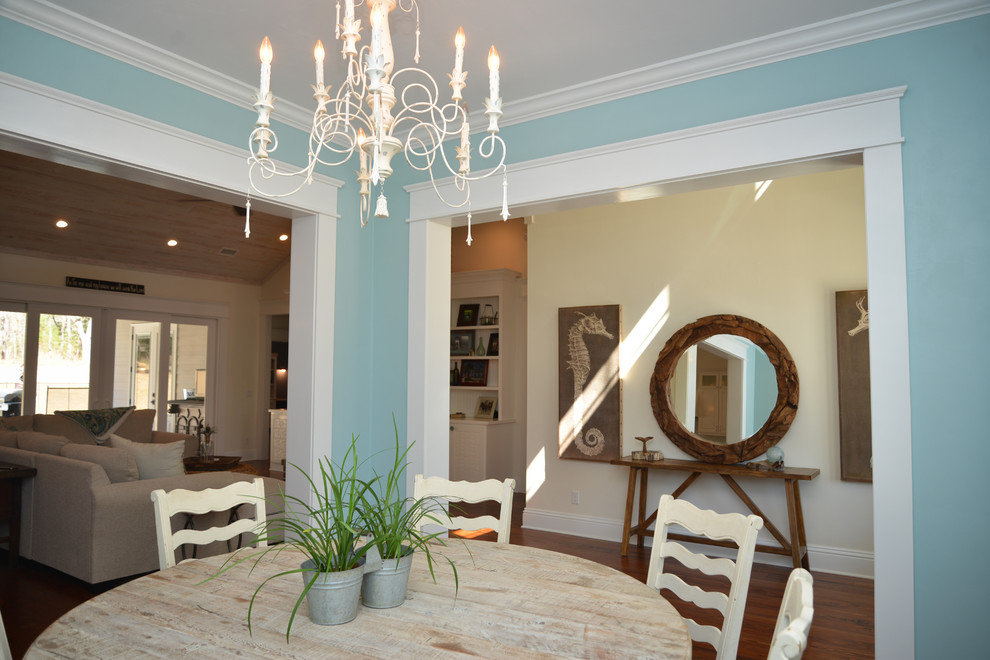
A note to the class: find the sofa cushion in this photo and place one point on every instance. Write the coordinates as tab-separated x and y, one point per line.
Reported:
137	425
153	459
8	438
119	464
100	422
17	423
65	427
42	443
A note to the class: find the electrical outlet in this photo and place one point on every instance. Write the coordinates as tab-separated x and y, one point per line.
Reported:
575	497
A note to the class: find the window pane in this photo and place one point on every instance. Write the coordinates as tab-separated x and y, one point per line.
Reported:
11	362
135	365
63	362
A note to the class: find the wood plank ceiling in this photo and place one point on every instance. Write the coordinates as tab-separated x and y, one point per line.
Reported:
120	223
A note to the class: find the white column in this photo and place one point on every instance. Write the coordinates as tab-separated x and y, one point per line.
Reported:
428	402
311	335
890	399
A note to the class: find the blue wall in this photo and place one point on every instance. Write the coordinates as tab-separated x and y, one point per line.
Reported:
946	163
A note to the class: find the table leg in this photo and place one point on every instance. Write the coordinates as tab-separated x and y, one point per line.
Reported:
796	528
630	493
15	521
643	474
802	538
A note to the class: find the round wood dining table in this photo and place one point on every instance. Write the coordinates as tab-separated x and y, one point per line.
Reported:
510	602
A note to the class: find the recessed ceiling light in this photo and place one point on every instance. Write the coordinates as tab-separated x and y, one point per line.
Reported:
283	237
172	242
61	224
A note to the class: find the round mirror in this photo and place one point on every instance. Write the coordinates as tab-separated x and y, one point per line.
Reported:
724	389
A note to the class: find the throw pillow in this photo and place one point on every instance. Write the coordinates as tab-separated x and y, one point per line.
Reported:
40	442
153	459
119	464
101	422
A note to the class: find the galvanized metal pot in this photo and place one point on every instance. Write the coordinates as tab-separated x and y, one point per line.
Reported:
334	597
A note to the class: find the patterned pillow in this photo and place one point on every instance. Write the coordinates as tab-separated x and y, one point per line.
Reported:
100	423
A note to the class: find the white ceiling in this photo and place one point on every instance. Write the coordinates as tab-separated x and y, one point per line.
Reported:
556	54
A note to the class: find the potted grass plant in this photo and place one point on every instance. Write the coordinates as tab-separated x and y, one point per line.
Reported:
391	523
327	532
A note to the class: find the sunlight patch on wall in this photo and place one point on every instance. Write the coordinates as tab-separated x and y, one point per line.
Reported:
536	473
645	330
761	187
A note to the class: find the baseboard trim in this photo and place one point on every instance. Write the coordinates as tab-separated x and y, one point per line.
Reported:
826	559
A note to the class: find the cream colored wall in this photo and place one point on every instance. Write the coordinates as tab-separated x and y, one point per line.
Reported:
779	261
494	245
276	287
237	430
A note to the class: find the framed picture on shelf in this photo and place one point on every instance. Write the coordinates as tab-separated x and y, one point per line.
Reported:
474	372
461	342
485	409
467	315
493	344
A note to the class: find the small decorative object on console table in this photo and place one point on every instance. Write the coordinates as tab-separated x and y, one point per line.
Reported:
647	455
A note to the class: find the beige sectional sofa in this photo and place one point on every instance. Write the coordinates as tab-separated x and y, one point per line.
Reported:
91	515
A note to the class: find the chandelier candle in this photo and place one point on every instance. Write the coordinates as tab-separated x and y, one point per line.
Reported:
379	114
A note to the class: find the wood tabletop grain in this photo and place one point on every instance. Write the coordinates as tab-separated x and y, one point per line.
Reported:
512	602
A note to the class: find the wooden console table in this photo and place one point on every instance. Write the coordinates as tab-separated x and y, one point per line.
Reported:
795	546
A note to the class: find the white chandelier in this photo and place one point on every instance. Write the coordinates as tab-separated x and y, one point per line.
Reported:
362	116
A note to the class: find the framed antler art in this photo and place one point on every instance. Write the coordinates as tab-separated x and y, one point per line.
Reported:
589	395
852	336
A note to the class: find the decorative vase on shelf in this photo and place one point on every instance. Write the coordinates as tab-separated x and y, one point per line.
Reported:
481	347
456	380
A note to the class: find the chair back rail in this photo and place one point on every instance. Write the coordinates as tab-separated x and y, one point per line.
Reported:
228	498
471	492
742	531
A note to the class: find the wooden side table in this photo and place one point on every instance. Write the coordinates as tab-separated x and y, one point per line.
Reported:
14	474
211	463
795	545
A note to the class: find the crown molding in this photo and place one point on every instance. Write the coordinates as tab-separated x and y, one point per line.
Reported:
860	27
897	18
64	24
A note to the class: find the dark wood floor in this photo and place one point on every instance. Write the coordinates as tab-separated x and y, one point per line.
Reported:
32	596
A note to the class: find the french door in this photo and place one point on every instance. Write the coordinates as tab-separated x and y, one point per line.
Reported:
162	362
46	358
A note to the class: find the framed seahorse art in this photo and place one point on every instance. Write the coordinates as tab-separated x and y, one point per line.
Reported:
589	395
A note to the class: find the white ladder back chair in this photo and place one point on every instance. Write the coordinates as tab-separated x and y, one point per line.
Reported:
198	502
469	492
790	637
741	530
5	653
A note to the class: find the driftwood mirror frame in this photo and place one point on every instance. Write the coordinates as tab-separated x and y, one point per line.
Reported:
780	417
